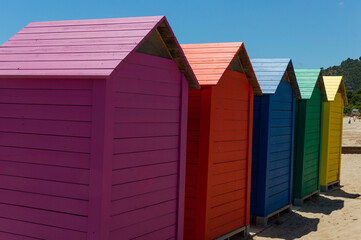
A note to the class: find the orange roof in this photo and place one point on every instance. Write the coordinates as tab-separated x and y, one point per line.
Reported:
210	60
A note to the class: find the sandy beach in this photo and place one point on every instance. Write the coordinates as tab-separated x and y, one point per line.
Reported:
335	215
351	132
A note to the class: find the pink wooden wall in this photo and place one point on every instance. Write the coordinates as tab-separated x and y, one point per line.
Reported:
150	98
45	139
104	164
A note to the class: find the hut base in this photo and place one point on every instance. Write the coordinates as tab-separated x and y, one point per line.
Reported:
351	149
299	201
242	232
331	186
263	221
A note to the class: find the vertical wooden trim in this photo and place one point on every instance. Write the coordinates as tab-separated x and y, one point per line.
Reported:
100	161
292	145
182	155
264	139
325	141
299	147
249	153
339	164
203	164
320	147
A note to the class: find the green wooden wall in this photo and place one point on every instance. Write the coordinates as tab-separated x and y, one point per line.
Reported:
306	171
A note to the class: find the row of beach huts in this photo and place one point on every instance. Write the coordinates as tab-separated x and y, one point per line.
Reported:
111	130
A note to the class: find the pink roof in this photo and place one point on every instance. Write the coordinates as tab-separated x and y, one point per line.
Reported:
78	48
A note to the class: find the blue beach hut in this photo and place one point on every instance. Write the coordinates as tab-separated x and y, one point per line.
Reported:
273	133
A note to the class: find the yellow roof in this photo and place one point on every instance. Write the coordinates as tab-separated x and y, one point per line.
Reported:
334	84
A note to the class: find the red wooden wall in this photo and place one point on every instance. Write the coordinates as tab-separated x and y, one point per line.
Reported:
219	157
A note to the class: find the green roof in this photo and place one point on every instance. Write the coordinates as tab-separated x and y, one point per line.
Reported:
307	81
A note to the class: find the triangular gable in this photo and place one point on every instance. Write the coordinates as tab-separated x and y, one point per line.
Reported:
85	48
209	61
333	85
308	80
270	72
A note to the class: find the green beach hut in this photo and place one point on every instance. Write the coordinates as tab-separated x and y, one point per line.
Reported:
308	134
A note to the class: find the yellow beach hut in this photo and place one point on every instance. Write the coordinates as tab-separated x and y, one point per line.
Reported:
332	132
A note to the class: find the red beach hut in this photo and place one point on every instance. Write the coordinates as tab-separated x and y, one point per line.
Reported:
93	131
219	141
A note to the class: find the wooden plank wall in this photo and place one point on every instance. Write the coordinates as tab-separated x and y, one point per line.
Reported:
145	174
299	150
280	153
192	170
312	141
45	130
229	163
335	139
259	154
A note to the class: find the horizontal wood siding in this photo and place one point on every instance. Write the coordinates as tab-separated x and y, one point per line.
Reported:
334	139
192	167
147	96
45	131
300	117
311	159
73	48
229	138
260	140
279	158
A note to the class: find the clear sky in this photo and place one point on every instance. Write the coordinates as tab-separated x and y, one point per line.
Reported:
314	33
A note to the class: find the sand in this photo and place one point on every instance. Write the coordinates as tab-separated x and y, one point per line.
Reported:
351	132
335	215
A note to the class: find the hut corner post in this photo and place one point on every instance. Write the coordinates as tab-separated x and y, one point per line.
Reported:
320	150
292	145
341	128
100	161
325	135
182	156
204	163
249	163
262	160
299	147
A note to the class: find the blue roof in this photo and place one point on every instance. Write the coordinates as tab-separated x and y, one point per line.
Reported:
270	72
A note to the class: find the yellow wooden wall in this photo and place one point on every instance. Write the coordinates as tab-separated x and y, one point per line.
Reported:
331	141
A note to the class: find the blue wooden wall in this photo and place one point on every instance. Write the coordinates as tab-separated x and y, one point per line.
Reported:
272	157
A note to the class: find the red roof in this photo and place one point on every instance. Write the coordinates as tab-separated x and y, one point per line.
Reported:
210	60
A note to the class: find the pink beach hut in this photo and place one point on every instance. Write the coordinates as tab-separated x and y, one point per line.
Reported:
93	131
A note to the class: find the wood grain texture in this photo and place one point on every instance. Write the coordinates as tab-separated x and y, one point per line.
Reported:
333	85
44	158
149	149
218	163
63	88
270	72
58	44
331	140
273	151
88	48
210	61
307	155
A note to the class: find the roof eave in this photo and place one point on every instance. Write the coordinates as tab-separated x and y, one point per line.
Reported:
293	81
175	50
248	69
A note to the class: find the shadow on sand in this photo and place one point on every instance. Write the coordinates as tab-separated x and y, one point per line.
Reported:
321	204
291	226
342	194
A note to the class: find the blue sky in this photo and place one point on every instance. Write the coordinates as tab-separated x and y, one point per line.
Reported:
314	33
